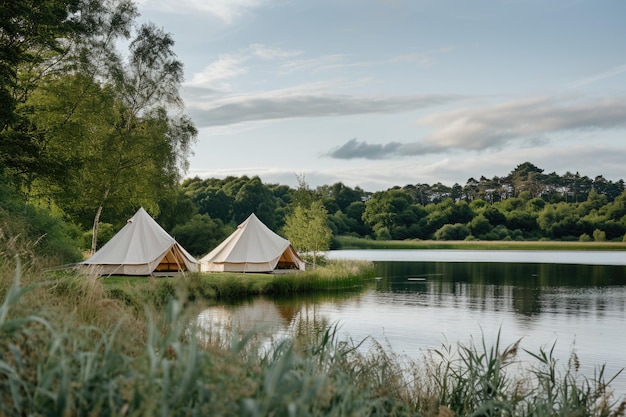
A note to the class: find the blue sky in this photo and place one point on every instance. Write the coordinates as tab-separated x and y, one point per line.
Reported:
377	93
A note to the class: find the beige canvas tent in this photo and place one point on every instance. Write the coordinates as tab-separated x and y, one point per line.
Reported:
253	247
141	247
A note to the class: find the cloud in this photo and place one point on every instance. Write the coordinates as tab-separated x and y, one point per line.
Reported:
270	53
228	66
528	122
304	101
497	125
599	77
355	149
225	10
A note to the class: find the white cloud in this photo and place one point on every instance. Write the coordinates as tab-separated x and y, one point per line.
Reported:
304	101
225	10
495	126
612	72
270	53
216	74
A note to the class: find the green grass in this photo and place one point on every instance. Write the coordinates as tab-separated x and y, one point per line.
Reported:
348	242
335	275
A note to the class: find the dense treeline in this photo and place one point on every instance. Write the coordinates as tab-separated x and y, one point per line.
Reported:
526	205
89	133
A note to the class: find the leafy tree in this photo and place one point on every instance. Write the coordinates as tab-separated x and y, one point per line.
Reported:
216	203
42	40
599	235
302	196
354	212
255	197
144	148
480	226
344	196
200	234
456	231
526	177
175	208
29	31
385	209
307	229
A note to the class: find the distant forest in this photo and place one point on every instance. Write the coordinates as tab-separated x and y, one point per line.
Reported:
526	204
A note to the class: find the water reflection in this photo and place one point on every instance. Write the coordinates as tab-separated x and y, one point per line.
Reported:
526	289
579	308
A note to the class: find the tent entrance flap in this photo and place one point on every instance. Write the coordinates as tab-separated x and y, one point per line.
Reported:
173	261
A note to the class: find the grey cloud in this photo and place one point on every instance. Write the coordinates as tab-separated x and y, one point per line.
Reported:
355	149
274	106
529	123
524	120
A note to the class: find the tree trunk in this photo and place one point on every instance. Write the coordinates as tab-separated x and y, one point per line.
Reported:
96	222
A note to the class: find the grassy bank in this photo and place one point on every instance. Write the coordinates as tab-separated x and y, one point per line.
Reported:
348	242
335	275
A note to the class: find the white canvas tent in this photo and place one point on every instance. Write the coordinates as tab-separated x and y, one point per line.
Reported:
141	247
253	247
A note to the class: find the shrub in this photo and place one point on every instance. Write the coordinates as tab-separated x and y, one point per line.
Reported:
455	231
599	235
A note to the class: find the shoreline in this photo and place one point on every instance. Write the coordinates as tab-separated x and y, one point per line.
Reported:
345	242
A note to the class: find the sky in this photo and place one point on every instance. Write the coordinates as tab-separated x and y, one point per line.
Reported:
383	93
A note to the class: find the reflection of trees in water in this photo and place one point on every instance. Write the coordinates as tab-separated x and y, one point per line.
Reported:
270	318
526	289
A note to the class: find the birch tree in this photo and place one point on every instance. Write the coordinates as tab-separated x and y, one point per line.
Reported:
307	229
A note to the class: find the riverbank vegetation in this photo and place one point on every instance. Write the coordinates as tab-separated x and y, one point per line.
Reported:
348	242
69	348
333	275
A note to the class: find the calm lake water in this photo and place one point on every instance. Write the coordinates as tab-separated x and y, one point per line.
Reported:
423	299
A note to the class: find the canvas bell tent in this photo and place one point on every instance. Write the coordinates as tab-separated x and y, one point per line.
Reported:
253	247
141	247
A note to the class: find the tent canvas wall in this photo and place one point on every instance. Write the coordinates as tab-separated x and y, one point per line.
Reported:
141	247
253	247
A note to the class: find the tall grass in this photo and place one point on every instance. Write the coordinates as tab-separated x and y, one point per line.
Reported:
333	276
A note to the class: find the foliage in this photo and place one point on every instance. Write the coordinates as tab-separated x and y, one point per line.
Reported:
307	229
91	126
26	227
455	231
200	235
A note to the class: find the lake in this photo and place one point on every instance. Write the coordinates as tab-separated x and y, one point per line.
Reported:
421	299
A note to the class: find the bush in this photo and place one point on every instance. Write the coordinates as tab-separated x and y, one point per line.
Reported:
382	234
45	237
456	231
599	236
585	238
